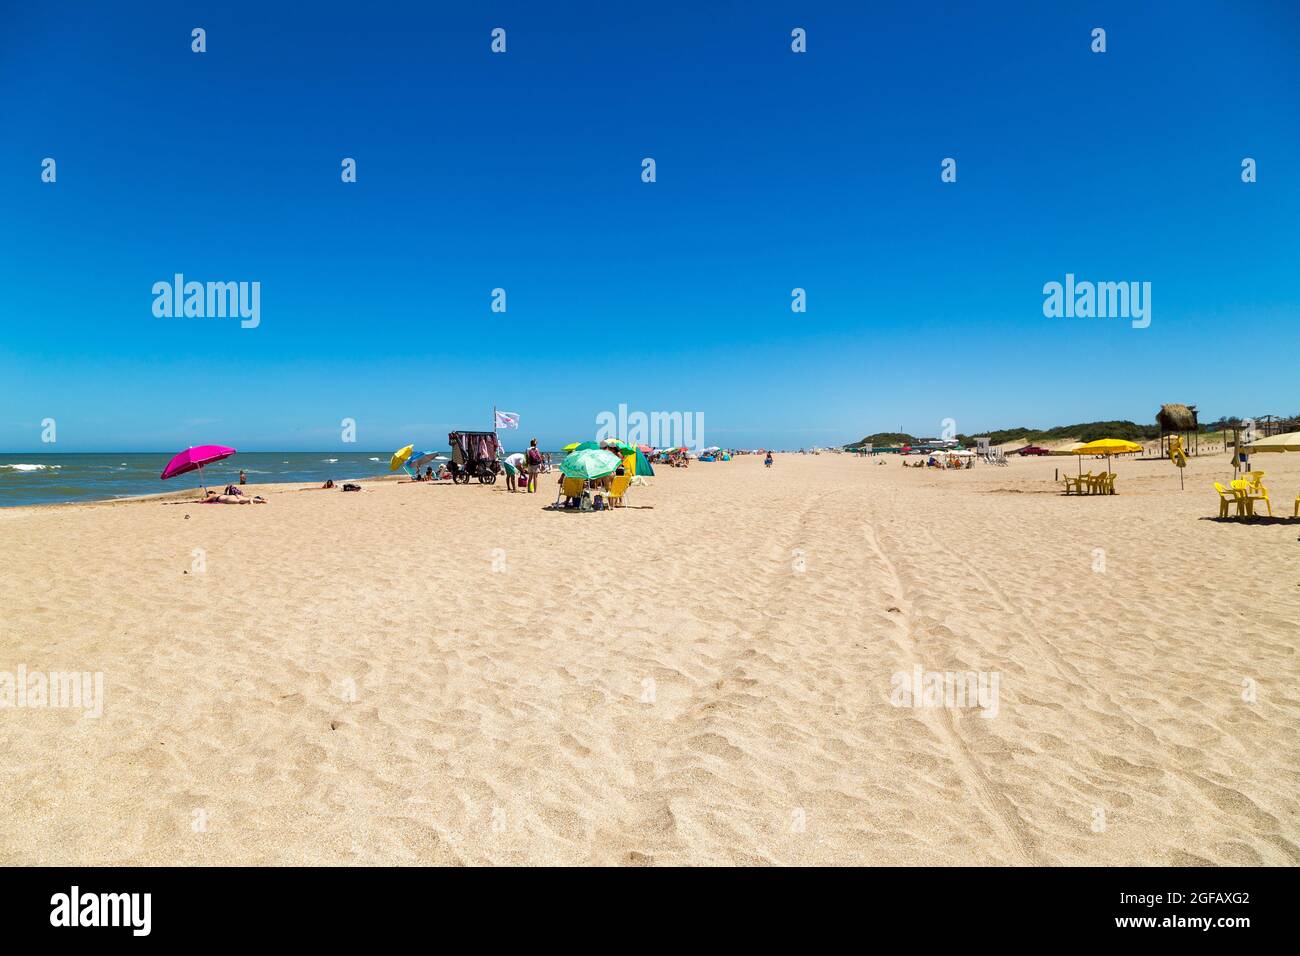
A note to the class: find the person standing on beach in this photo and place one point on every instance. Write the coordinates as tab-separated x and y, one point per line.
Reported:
533	460
243	478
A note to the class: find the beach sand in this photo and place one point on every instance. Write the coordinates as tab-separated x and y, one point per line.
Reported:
702	678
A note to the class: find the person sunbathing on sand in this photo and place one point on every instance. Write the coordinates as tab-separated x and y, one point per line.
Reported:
212	498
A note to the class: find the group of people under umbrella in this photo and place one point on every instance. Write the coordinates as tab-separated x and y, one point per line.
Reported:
596	475
419	467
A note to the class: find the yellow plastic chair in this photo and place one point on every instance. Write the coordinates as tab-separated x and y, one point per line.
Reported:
1228	496
618	489
570	488
1243	489
1297	507
1077	484
1101	484
1255	482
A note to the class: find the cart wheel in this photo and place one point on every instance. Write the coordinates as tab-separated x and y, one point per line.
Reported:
461	479
488	479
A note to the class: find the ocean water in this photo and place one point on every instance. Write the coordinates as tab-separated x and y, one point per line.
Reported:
32	479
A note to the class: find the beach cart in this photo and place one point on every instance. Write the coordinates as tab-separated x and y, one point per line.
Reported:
474	455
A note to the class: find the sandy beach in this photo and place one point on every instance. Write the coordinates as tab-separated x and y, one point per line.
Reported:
434	674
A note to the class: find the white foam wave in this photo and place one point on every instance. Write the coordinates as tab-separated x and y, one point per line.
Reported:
27	467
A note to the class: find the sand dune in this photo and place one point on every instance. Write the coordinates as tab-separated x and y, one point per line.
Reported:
433	674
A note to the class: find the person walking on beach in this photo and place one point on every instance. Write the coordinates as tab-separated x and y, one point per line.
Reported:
767	462
533	460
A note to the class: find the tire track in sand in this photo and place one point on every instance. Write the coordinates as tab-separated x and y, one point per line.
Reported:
652	801
995	805
1265	824
1064	667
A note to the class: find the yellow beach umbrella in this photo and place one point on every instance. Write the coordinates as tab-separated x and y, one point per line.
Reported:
570	447
1107	447
1281	443
399	457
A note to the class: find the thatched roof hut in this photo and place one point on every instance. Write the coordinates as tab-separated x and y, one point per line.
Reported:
1177	418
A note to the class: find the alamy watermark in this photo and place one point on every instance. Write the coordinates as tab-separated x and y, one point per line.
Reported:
1101	300
657	429
75	908
65	690
212	300
954	690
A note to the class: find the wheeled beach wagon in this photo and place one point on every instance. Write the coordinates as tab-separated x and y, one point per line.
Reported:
474	455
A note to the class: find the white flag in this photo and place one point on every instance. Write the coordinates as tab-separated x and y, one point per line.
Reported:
507	420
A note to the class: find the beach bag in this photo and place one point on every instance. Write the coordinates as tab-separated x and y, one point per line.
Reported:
351	487
534	456
585	502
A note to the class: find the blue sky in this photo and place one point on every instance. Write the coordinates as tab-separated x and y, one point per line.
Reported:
522	170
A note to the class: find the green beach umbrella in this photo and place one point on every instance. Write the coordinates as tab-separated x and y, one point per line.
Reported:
643	465
589	464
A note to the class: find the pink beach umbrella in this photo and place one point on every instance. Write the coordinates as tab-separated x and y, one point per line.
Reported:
193	459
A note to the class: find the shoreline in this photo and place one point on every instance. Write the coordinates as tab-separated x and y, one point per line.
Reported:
194	495
186	497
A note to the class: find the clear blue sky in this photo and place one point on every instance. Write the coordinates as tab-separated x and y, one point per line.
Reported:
522	170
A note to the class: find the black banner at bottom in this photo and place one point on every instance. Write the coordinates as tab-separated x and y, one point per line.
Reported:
1222	907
